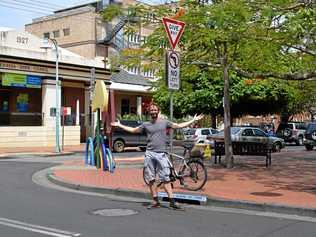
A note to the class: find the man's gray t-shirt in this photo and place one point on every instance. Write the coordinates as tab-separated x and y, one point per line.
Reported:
156	134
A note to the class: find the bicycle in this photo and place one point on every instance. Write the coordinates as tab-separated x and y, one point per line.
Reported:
191	173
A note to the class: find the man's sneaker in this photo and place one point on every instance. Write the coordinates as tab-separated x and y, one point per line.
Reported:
174	206
154	205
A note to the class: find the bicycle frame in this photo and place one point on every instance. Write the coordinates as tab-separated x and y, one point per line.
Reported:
183	171
182	164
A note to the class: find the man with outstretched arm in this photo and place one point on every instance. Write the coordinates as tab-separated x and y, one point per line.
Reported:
156	158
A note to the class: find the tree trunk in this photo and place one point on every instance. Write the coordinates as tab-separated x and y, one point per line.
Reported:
213	119
227	117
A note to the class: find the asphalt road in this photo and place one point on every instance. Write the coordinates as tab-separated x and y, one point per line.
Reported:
29	209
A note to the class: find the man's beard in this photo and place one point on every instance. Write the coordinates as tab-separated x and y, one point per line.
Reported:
154	116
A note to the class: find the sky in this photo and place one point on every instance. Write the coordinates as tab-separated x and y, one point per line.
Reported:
16	13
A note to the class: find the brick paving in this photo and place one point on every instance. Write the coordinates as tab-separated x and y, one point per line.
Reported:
289	181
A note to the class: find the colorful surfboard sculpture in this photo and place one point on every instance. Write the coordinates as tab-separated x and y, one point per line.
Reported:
111	159
101	159
105	161
89	154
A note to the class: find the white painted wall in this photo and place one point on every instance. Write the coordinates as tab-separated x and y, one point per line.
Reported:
37	136
48	101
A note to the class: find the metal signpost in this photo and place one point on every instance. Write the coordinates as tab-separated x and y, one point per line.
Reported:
91	91
174	31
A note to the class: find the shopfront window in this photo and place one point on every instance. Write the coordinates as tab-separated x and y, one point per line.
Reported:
20	100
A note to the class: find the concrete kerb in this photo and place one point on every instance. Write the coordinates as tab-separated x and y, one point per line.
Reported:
119	192
263	207
211	201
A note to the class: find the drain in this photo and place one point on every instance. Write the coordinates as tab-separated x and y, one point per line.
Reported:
115	212
266	194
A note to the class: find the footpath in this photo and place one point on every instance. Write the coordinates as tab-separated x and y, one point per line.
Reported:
287	186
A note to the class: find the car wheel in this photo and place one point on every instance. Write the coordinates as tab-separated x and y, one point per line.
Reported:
277	147
309	147
300	141
314	135
287	132
118	146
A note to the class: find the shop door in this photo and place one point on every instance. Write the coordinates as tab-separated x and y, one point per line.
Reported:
69	99
4	107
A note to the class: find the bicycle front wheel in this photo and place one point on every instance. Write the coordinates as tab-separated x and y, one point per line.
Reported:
194	175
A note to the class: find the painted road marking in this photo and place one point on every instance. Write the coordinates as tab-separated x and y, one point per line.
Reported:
37	228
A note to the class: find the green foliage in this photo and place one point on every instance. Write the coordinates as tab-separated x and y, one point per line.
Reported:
111	11
134	117
255	36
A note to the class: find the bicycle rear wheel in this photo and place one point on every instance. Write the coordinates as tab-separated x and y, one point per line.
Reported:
194	176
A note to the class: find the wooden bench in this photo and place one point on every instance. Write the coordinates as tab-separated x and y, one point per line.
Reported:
244	149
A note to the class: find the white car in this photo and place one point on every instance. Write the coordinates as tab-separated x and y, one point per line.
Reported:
199	135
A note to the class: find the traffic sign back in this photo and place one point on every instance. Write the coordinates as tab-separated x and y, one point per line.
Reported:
174	30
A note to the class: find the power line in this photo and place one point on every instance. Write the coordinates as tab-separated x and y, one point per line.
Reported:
21	9
39	4
42	12
46	3
25	5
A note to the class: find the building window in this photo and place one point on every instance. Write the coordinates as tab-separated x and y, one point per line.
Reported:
46	35
144	39
148	73
133	70
66	31
150	17
134	38
124	106
56	33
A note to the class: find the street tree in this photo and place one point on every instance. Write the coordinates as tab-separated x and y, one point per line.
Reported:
254	43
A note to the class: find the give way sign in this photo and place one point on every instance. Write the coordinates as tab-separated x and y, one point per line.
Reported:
174	30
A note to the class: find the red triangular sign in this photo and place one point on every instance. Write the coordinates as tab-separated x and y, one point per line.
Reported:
174	30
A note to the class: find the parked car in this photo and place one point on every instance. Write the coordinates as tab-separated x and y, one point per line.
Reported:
310	136
122	138
252	134
198	135
292	132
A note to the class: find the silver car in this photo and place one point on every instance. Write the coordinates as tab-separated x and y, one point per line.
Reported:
252	134
198	135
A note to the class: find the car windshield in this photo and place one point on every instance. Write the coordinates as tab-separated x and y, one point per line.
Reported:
311	126
189	131
284	125
233	131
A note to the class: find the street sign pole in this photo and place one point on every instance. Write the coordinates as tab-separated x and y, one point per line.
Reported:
171	118
91	90
173	83
174	30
